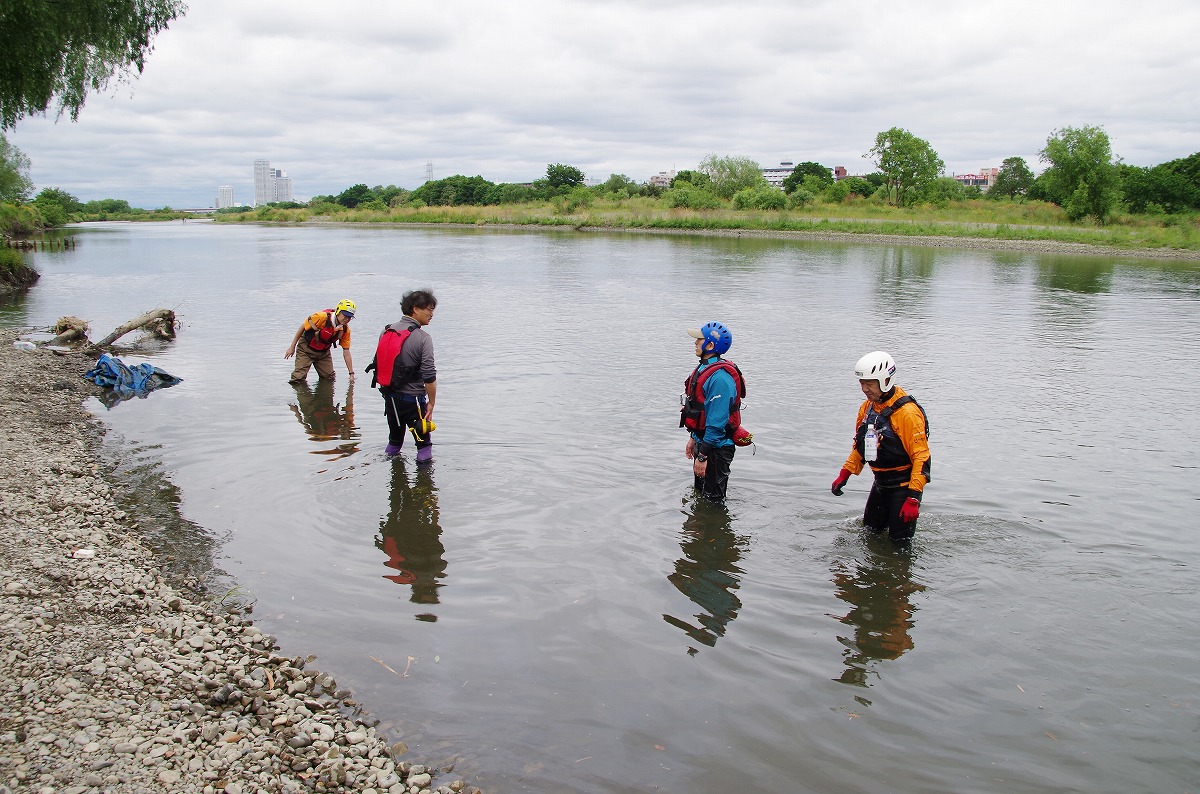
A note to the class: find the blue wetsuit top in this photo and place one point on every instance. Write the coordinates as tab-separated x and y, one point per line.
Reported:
719	394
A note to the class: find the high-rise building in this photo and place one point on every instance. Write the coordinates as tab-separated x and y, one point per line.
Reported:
270	184
283	186
264	179
224	197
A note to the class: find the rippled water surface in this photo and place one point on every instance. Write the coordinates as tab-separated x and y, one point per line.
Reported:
548	608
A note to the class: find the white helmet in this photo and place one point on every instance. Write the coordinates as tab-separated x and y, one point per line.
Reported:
877	366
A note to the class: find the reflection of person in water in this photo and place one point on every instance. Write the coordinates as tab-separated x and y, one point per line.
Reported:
410	535
708	572
878	588
324	420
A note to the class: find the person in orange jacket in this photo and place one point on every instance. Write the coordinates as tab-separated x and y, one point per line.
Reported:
891	435
314	341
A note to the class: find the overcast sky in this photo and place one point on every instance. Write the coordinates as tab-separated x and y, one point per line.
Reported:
341	93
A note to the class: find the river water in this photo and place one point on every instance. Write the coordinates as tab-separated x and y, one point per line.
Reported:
548	608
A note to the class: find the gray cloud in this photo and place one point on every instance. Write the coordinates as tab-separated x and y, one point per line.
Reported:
368	92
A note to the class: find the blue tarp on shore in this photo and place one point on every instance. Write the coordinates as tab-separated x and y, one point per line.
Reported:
123	382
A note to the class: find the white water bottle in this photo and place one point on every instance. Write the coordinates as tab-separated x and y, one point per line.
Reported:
870	445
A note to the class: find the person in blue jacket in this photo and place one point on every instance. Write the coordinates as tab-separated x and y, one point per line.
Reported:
711	409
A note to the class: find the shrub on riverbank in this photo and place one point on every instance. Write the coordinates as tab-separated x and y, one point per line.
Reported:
15	275
10	261
134	214
19	220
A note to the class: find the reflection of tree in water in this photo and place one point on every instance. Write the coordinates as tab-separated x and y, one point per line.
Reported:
897	265
410	535
708	572
878	588
902	281
1085	275
323	420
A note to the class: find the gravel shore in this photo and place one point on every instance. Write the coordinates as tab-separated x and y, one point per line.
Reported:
115	679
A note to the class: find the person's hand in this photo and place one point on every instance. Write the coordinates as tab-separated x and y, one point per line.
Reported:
842	478
291	351
699	467
689	451
351	376
910	510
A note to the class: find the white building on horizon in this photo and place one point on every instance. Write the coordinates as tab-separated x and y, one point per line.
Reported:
270	184
263	177
662	178
983	180
283	186
224	197
775	176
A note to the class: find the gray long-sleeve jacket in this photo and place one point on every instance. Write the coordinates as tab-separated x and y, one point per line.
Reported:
417	354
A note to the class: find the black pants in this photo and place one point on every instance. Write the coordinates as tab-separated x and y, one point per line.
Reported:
402	414
883	512
715	481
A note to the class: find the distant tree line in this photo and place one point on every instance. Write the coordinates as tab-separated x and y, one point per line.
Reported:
559	182
1081	176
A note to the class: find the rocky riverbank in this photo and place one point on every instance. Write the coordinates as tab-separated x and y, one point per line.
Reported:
114	678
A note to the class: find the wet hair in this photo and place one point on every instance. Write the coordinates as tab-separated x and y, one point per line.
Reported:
417	299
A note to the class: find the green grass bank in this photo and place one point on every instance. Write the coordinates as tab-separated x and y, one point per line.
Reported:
989	224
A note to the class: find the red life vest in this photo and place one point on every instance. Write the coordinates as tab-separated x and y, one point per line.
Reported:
389	373
692	414
323	338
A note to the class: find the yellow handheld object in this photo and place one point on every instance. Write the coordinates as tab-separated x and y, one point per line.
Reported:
422	429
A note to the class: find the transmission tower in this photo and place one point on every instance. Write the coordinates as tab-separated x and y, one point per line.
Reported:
429	170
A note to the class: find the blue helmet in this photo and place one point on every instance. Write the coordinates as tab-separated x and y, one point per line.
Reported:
717	334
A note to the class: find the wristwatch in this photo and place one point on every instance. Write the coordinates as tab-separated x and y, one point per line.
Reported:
701	458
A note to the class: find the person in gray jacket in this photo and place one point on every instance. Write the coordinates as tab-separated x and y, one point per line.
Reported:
408	402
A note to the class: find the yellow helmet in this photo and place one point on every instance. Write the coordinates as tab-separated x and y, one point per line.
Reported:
346	306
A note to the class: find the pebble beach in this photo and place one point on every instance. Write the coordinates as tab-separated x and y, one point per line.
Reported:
115	678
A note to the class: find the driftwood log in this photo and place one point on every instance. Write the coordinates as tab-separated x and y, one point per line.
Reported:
69	329
68	336
160	322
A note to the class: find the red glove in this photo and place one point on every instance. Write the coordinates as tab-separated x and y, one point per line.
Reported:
910	510
842	478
